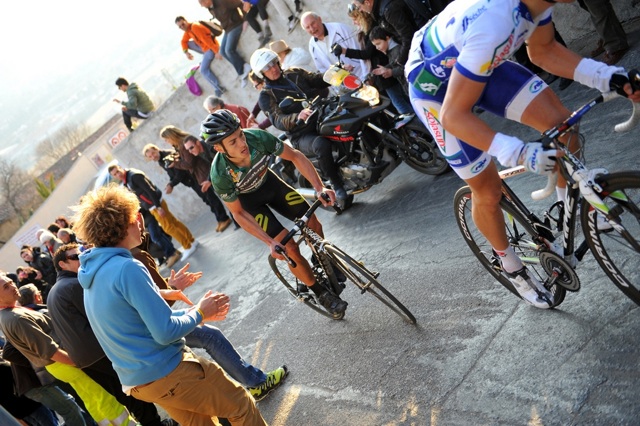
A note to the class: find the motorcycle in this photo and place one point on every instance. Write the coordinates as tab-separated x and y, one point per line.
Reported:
371	140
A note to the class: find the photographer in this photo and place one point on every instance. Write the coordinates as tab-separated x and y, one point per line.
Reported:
296	83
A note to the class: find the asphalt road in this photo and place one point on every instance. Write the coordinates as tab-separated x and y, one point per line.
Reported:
478	355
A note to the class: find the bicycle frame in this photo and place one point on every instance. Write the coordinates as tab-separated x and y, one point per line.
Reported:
314	241
581	183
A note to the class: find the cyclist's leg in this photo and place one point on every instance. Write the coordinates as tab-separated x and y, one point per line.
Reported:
533	103
290	204
277	195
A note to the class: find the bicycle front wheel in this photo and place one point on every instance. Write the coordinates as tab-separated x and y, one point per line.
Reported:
290	282
617	250
365	280
521	237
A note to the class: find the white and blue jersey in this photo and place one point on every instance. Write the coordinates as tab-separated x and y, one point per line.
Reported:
477	37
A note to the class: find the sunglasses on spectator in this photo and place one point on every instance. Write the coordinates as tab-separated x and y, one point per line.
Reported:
74	256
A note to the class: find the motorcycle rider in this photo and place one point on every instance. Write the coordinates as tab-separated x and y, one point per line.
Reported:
299	84
241	176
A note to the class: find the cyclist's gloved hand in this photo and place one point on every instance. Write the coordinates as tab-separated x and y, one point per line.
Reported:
618	81
536	159
511	151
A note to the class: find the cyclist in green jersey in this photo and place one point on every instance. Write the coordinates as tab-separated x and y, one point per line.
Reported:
242	178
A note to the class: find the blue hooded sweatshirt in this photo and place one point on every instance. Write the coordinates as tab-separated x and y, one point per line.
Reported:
138	331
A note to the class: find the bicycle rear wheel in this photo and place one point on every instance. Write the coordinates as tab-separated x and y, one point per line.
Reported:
617	250
364	279
519	233
286	277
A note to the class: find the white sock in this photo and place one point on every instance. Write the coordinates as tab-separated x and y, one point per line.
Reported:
561	193
510	262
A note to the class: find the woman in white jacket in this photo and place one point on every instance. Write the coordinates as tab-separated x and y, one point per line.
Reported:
292	57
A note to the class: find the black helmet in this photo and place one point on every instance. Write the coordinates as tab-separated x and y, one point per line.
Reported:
218	126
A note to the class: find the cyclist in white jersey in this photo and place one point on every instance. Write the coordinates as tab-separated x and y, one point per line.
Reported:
460	59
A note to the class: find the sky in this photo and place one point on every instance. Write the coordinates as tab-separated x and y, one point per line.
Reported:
58	37
60	60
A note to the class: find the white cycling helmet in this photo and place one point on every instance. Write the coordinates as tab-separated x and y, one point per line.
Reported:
261	58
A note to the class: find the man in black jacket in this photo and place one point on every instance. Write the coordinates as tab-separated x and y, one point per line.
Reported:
150	198
299	84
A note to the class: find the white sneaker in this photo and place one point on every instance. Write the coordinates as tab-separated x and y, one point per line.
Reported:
530	289
188	252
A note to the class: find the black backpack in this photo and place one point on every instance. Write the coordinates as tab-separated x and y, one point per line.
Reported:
214	27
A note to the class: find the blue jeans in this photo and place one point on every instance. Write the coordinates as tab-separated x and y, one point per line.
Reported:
42	416
399	99
205	65
225	355
61	402
229	49
205	70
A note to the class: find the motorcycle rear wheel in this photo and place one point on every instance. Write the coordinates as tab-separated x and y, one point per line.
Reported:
430	161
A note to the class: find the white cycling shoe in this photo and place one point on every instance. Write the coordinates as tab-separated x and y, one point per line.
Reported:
530	289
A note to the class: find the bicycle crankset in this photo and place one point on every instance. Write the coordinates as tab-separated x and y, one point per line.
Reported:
559	271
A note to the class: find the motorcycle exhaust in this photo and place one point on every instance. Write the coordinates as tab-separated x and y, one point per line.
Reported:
308	193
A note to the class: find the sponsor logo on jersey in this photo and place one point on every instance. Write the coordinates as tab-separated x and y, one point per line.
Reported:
536	85
436	129
254	177
500	54
448	62
467	20
293	198
479	166
451	21
427	82
437	70
235	176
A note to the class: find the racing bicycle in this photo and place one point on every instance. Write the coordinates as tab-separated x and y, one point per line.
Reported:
333	268
608	206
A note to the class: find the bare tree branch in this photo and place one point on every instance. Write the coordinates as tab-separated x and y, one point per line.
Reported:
14	190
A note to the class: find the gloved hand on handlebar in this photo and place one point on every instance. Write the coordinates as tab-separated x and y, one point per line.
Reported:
618	83
336	49
511	151
536	159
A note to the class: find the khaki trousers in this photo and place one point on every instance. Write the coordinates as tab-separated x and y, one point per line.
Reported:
172	226
197	392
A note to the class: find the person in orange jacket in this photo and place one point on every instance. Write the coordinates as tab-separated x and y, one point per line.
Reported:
198	37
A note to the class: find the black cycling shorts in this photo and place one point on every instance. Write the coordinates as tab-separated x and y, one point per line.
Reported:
277	195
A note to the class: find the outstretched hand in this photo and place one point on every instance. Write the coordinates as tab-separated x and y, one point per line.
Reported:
183	279
214	306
